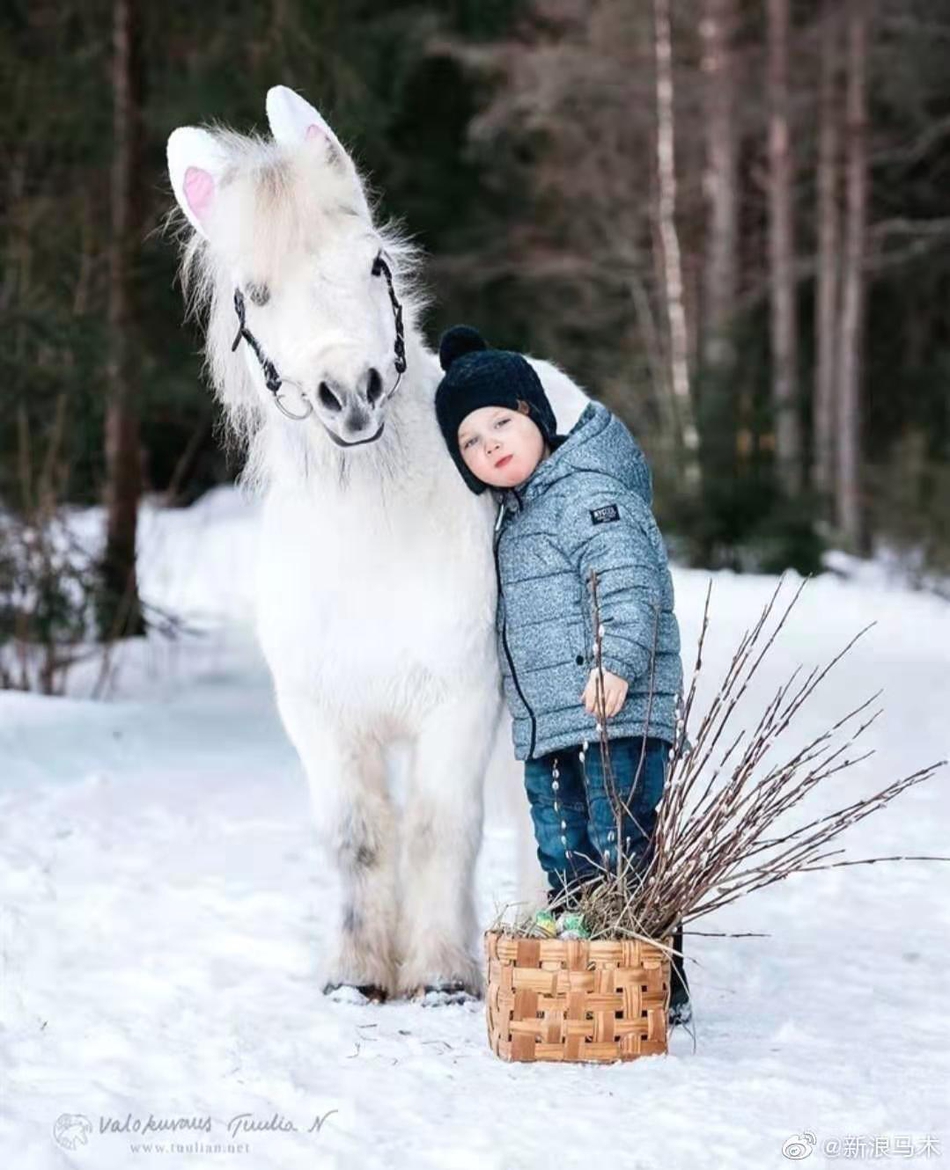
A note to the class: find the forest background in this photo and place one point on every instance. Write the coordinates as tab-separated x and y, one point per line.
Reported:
727	219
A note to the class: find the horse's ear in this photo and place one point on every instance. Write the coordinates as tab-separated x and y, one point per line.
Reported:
293	120
196	162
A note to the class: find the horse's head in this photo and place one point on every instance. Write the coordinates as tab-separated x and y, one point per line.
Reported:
303	311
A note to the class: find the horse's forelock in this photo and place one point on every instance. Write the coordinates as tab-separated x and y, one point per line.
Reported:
279	205
287	199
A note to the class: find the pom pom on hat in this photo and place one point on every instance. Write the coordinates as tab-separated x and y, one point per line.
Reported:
458	341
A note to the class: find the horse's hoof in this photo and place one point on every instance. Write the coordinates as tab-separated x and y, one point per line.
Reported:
356	992
444	992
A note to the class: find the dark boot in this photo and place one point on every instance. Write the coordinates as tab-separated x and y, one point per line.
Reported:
681	1011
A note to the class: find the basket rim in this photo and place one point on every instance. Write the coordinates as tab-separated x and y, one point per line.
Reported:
609	938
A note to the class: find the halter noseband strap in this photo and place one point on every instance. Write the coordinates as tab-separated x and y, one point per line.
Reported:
272	378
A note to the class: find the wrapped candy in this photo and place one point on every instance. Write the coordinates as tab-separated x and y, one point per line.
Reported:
544	924
572	925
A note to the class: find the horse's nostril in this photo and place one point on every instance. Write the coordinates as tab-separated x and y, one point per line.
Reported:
374	387
328	398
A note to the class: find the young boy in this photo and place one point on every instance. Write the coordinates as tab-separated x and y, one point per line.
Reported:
569	505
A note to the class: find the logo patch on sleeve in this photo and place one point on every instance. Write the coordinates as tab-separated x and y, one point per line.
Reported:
605	513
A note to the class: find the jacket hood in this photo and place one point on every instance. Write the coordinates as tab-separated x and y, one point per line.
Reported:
598	443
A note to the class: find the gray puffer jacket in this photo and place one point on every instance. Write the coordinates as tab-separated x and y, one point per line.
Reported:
587	506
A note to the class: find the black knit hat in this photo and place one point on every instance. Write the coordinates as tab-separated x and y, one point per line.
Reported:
476	376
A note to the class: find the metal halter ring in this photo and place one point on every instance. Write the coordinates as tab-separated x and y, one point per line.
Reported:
278	397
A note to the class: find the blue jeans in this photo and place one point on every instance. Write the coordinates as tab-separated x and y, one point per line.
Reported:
575	823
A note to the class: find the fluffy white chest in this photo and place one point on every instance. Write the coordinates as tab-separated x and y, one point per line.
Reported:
379	593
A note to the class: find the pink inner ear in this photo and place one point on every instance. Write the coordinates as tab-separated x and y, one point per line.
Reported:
314	131
199	191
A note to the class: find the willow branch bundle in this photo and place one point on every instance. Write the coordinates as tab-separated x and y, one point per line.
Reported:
717	835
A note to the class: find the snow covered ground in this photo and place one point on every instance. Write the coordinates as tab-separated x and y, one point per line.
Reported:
161	917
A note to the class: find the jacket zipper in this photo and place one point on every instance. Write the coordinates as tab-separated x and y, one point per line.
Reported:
504	635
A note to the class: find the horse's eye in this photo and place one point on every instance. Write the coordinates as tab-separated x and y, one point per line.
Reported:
378	264
259	293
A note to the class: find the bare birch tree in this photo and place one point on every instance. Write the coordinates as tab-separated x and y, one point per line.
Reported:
782	256
829	236
669	239
720	182
848	494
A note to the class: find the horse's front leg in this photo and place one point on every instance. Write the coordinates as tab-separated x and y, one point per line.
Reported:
442	831
356	827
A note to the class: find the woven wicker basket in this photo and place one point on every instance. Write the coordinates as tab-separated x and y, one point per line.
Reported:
576	999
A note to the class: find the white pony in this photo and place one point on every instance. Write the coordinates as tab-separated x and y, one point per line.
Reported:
375	583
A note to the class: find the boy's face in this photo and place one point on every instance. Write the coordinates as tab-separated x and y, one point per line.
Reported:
499	446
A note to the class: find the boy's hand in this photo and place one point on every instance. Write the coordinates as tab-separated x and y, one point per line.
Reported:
615	692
